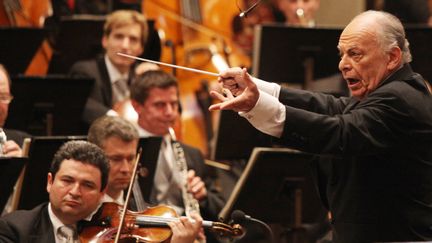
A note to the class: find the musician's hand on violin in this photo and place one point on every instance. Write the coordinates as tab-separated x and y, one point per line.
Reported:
11	149
245	94
185	230
196	186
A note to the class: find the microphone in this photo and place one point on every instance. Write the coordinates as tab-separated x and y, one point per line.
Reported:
240	217
244	13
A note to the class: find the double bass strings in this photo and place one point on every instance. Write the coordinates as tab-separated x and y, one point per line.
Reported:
169	65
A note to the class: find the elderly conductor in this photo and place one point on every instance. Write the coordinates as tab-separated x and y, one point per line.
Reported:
378	184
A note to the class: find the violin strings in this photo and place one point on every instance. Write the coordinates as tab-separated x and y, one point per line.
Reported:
154	219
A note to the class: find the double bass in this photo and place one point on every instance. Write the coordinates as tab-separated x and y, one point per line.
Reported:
29	13
202	41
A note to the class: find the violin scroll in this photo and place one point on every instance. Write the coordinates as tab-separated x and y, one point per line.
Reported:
226	230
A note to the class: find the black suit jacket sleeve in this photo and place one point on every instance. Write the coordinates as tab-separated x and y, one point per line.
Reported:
100	99
27	226
382	120
214	202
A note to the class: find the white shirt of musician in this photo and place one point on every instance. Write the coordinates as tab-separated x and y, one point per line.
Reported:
119	200
57	224
167	183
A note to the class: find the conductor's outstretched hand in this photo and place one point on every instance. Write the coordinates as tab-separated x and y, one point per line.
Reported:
240	93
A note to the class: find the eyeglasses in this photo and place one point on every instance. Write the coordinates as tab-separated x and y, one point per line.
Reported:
6	98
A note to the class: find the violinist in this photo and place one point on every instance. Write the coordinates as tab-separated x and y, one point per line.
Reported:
125	31
119	139
77	178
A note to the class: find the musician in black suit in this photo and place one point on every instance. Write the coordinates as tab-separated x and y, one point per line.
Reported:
154	96
125	31
15	138
377	182
119	139
77	178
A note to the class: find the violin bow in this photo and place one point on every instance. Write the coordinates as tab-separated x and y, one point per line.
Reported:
122	218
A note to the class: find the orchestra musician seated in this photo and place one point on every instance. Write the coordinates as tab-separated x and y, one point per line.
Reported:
119	140
11	146
76	181
125	31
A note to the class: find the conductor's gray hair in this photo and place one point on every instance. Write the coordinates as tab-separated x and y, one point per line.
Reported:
391	33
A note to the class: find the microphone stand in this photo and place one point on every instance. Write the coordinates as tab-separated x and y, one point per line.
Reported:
270	232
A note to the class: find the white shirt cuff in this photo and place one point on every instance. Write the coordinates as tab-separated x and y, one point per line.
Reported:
268	115
272	89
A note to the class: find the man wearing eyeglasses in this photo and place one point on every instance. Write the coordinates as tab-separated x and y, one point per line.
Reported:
119	140
10	146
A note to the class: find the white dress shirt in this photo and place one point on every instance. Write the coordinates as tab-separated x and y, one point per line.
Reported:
57	224
167	184
268	115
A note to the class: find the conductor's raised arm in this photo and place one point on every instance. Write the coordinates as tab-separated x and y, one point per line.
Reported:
240	93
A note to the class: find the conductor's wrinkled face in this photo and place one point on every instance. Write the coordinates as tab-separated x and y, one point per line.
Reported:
75	191
364	63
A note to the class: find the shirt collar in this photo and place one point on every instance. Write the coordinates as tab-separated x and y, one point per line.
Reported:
113	72
144	133
119	200
56	222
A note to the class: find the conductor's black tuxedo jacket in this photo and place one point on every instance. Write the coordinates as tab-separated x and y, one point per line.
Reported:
377	182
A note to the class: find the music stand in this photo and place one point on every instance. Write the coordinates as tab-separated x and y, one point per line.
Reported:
148	163
295	55
80	38
18	46
419	37
234	129
276	187
41	153
51	105
10	169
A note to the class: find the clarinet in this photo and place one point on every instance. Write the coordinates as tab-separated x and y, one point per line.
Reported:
190	203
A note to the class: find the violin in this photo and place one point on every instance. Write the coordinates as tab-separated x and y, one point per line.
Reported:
115	223
150	225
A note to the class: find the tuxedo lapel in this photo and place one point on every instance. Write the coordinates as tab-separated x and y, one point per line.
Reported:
105	80
43	230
